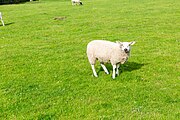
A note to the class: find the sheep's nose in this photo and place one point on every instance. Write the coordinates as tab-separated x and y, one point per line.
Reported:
126	50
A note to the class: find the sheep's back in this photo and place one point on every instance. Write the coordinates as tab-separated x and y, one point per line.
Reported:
100	49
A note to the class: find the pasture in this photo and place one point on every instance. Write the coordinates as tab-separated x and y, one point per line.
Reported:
45	73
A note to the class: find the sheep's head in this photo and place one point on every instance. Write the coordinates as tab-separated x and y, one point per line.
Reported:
126	46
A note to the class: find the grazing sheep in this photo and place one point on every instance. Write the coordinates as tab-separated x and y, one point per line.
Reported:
106	51
75	2
1	19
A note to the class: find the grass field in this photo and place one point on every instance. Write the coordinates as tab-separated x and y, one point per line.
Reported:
45	74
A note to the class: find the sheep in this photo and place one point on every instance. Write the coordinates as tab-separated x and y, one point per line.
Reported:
1	19
105	51
74	2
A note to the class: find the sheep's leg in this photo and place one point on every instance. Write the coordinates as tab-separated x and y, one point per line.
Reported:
114	72
73	3
94	71
104	68
117	69
2	22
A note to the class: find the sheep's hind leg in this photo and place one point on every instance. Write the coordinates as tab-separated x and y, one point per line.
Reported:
117	69
104	68
94	71
114	72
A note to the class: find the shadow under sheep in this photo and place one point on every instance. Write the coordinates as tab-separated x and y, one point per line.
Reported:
5	2
6	24
127	67
131	66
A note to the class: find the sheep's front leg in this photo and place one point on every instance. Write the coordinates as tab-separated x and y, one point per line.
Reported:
114	72
104	68
73	3
94	71
117	69
2	22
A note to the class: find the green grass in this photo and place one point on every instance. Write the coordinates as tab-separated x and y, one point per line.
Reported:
45	74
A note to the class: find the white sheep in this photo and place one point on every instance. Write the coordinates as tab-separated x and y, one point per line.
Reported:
74	2
1	19
106	51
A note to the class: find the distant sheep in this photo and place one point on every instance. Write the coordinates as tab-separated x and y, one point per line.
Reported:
75	2
106	51
1	19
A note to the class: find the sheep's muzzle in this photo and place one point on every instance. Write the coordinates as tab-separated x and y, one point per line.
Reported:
126	50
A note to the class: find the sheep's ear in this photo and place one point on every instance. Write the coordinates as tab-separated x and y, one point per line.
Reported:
118	42
132	43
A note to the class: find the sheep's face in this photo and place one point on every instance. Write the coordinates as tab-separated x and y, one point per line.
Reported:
126	46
